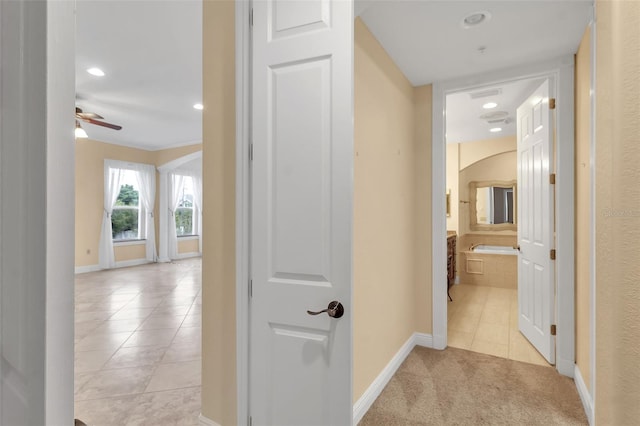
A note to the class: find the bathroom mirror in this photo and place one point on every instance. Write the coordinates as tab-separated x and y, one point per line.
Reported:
492	205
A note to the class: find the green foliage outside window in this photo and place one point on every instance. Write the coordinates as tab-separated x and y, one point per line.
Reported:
124	221
184	221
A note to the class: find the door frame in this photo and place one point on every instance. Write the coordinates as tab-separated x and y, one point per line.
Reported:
560	71
243	204
38	53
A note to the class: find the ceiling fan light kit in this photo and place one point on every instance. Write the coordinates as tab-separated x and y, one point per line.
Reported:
79	132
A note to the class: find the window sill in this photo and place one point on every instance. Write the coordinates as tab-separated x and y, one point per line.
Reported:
188	237
129	243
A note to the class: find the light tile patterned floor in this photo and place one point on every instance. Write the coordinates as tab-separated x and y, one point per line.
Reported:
137	345
485	319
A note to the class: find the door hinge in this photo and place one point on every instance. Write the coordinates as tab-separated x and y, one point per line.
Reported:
251	152
251	18
553	329
552	254
552	103
552	178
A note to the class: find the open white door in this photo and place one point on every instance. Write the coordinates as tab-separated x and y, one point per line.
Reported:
536	283
301	221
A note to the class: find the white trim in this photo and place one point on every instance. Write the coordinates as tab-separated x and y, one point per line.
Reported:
188	238
376	387
188	255
132	262
37	234
177	145
149	148
423	339
560	71
87	268
592	166
439	220
125	243
242	48
585	397
205	421
122	264
565	218
174	164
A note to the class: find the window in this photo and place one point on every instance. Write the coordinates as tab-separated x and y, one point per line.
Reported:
186	216
127	216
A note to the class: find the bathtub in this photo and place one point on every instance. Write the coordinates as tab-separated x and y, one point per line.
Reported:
484	248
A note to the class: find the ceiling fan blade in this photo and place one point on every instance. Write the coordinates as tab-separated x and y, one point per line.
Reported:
101	123
83	115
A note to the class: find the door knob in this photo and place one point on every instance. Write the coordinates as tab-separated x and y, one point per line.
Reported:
334	310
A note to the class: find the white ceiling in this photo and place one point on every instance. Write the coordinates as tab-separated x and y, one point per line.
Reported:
151	52
428	42
463	112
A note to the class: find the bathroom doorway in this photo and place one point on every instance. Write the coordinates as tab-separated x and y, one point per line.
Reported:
482	220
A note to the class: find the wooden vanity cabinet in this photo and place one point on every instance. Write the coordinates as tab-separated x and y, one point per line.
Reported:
451	261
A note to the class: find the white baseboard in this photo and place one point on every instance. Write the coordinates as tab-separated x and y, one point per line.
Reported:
585	396
87	268
424	340
188	255
204	421
369	396
123	264
134	262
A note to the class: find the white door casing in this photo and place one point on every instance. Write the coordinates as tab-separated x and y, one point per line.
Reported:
536	270
301	221
37	74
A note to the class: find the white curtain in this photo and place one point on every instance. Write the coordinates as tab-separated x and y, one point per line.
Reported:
146	177
112	177
175	192
197	199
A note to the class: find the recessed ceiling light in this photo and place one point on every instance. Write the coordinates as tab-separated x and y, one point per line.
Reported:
495	129
489	105
96	71
198	106
475	18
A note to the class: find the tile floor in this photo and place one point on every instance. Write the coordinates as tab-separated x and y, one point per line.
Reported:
137	345
485	319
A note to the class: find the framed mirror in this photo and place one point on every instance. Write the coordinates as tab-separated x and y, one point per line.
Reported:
492	205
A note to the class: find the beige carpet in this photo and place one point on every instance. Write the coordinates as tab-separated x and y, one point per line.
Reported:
458	387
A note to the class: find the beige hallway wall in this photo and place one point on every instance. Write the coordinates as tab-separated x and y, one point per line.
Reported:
384	218
219	385
617	212
423	106
584	239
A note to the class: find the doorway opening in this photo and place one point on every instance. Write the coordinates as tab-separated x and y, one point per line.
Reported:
138	314
560	74
482	226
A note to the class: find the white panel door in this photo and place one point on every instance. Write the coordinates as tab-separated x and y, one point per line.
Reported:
302	168
536	283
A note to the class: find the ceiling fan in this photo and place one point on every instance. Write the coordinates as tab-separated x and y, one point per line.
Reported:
91	118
